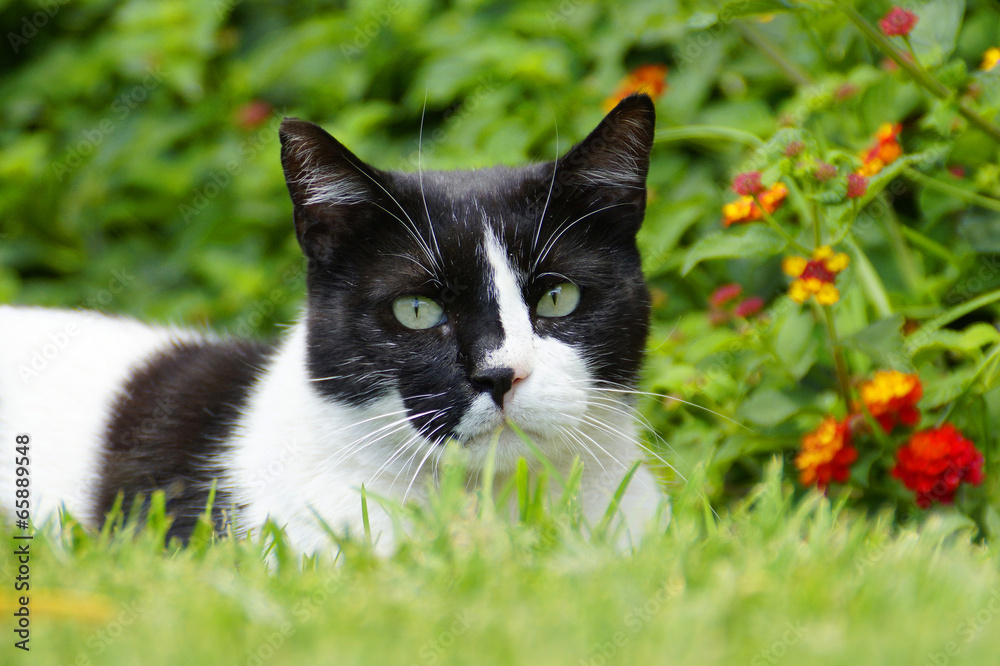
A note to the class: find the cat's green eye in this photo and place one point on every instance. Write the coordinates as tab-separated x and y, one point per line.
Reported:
417	312
559	301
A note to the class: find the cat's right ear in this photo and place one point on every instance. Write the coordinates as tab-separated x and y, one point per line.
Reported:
327	182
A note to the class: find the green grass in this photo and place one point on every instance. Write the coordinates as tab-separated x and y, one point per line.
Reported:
771	582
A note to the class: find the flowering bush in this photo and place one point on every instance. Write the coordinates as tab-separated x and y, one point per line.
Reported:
874	370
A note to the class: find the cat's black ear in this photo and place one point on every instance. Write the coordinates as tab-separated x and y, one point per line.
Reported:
328	184
615	156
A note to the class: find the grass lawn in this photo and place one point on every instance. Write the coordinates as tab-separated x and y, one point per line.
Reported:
769	583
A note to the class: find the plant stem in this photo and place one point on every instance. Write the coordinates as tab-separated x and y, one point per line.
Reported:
838	357
955	191
771	222
774	54
918	73
708	132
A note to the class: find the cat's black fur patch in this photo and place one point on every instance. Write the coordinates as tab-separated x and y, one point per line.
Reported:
369	236
169	428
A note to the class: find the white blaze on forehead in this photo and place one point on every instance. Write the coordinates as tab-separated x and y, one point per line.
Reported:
517	350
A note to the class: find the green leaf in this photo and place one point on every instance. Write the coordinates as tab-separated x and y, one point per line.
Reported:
752	240
934	36
742	8
769	407
794	343
881	340
945	389
972	339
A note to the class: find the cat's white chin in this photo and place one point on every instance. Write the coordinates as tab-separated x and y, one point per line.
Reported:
550	406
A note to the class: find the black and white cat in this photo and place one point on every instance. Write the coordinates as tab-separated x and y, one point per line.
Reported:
441	305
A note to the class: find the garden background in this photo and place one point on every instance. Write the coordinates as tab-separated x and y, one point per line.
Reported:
794	425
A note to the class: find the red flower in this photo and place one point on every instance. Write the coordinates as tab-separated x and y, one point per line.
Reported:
898	22
857	185
749	306
794	148
934	462
724	294
824	171
253	115
826	454
748	184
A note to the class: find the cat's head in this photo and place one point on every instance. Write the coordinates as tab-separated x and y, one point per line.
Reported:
467	298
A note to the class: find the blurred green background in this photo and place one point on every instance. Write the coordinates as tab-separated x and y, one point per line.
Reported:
139	165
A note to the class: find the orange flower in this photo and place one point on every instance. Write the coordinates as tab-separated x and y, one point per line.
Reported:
650	79
815	277
885	151
891	397
991	58
934	462
746	208
826	454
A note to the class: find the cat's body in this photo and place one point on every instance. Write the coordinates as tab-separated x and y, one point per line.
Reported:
522	300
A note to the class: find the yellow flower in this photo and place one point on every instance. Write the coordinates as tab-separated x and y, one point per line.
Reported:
891	397
827	294
826	454
885	151
793	266
815	276
990	59
745	209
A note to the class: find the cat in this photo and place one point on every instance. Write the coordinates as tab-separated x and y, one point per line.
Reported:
439	306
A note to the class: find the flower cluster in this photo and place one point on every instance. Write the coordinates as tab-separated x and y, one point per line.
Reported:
826	454
815	277
748	207
857	185
934	462
649	79
891	397
884	152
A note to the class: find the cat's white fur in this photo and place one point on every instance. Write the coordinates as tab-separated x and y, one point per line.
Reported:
59	372
297	457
